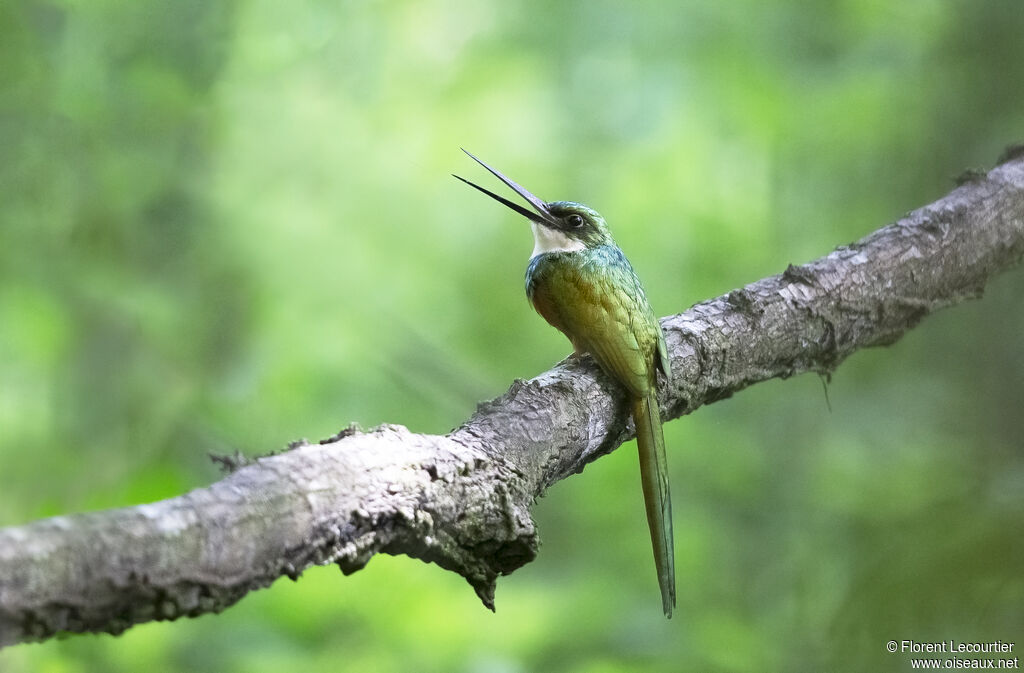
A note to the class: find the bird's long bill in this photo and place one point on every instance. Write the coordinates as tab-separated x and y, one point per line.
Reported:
542	215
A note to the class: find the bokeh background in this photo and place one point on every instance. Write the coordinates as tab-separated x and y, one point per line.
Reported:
228	225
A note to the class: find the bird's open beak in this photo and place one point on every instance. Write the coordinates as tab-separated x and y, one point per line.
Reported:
542	216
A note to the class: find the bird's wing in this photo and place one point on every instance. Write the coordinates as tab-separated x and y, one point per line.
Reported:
597	309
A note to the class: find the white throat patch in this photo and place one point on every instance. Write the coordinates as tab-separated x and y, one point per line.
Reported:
546	239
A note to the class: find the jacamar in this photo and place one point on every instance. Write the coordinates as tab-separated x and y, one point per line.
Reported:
581	283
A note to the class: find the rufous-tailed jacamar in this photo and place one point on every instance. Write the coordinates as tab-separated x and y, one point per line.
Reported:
582	284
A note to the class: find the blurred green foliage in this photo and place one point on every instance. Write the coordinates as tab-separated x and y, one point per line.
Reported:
228	225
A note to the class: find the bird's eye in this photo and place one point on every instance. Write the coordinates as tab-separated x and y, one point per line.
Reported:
575	220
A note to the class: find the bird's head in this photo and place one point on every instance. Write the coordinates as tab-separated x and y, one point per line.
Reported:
559	226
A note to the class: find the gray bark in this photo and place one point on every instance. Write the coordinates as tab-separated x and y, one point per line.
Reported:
463	500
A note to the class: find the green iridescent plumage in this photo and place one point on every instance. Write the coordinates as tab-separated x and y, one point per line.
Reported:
582	284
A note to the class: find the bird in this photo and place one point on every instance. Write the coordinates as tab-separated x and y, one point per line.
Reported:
581	283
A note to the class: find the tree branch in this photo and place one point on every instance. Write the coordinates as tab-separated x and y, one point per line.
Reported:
463	500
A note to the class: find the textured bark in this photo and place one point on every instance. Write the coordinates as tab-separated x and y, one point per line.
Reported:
463	500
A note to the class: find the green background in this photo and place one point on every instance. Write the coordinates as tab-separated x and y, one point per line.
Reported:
230	225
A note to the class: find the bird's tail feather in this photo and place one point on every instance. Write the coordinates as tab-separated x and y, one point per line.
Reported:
654	475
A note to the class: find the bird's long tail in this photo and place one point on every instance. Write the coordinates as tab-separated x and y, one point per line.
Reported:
654	475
